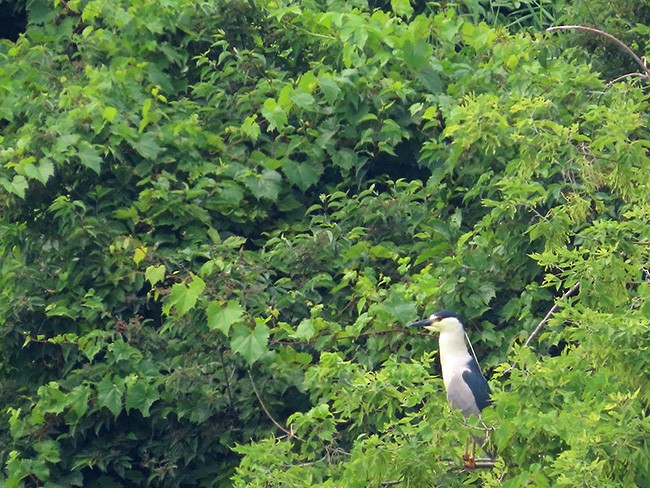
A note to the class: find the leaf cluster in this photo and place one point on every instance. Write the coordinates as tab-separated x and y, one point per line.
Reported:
218	217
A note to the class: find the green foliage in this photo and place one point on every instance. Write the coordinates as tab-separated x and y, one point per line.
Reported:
217	218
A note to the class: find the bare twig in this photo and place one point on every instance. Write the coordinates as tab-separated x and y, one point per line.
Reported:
546	318
555	306
484	463
369	333
337	337
623	77
268	414
616	40
225	377
478	463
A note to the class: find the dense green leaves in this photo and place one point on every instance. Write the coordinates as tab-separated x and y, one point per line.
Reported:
218	217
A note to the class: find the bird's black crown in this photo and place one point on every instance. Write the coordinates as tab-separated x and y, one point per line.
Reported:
445	314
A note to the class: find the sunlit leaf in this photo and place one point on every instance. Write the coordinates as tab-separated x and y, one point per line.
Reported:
402	7
275	114
250	343
183	297
222	317
305	330
89	156
155	274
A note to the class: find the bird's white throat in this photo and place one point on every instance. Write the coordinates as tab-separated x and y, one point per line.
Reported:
454	355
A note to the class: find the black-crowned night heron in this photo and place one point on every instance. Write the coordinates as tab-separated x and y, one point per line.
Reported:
467	389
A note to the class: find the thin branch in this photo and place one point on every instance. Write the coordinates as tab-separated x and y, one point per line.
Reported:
484	463
337	337
268	414
370	333
623	77
546	318
478	463
616	40
225	376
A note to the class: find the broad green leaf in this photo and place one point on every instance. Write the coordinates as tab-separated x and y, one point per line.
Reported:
141	395
416	53
48	449
147	146
401	309
92	10
78	398
41	171
109	395
17	186
429	76
66	142
109	114
146	107
155	274
123	351
139	254
251	128
264	186
402	7
305	330
89	156
222	317
330	89
303	175
346	159
487	292
183	296
302	99
250	343
479	36
275	114
52	399
90	344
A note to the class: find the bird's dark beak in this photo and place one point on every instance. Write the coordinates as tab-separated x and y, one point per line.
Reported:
421	323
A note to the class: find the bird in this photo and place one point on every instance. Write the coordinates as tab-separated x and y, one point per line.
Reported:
467	389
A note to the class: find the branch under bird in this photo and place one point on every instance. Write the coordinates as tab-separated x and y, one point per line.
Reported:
467	388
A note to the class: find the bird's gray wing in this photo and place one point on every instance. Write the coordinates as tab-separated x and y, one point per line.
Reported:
460	396
477	383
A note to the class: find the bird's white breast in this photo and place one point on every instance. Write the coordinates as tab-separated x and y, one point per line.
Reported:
454	356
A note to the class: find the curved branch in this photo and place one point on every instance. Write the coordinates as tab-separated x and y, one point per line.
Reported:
289	433
616	40
629	75
555	306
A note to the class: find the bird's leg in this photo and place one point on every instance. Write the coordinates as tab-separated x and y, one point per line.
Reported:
470	461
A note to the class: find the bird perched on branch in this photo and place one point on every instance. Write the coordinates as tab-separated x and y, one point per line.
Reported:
467	389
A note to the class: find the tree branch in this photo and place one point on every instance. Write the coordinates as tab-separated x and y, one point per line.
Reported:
623	77
268	414
616	40
546	318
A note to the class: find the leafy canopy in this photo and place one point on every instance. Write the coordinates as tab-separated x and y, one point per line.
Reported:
217	218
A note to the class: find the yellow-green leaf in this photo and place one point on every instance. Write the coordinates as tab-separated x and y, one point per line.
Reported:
223	317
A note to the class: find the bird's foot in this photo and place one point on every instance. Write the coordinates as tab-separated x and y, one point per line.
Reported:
469	461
